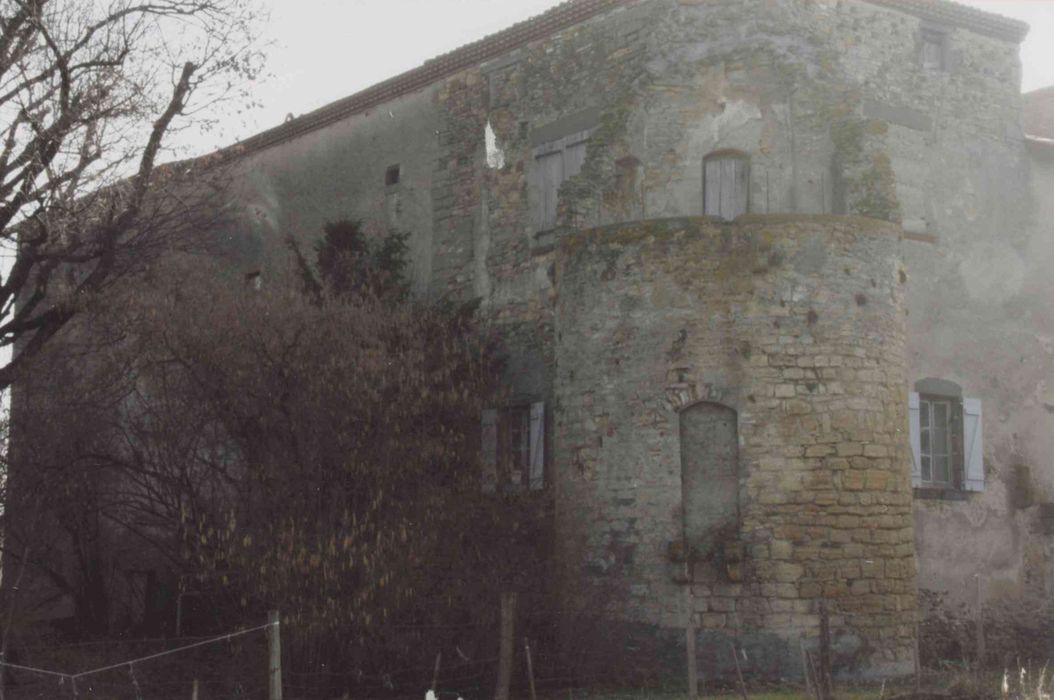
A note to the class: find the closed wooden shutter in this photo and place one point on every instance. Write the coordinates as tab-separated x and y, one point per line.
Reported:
740	187
537	470
913	439
973	445
712	187
489	449
726	186
550	175
574	159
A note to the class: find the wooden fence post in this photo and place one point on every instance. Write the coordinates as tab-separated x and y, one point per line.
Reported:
806	671
980	628
505	645
739	671
824	681
918	662
274	645
530	667
689	635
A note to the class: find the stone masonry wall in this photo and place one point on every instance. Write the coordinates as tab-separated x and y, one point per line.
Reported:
797	323
830	101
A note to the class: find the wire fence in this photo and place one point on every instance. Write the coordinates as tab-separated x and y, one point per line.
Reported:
551	656
453	660
232	665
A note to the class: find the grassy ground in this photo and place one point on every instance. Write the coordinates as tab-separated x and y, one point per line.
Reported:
953	686
857	693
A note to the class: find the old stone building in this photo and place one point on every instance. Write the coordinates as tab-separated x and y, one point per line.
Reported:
772	277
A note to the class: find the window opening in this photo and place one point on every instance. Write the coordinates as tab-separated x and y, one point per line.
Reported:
555	163
933	44
945	434
392	175
513	447
726	184
937	423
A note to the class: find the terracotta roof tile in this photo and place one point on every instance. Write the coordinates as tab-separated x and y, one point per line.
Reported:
957	14
1038	114
563	16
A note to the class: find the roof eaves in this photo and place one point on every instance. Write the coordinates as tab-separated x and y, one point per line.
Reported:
563	16
948	12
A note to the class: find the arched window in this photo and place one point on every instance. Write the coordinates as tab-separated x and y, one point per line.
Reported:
709	475
726	184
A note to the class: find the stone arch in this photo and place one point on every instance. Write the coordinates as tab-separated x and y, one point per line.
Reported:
709	476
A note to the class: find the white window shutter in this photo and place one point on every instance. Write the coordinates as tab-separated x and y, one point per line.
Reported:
913	438
537	472
973	445
489	449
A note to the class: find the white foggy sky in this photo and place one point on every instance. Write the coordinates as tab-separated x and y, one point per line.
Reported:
323	50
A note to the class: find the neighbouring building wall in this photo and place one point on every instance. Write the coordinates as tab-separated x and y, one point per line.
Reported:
985	322
978	300
790	332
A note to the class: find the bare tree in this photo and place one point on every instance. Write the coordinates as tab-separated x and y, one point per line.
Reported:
89	90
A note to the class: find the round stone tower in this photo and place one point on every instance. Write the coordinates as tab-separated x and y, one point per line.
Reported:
730	438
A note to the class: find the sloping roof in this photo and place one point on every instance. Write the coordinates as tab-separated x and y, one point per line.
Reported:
1038	113
959	15
563	16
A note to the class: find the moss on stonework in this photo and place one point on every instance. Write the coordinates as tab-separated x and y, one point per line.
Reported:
875	190
674	227
581	191
867	173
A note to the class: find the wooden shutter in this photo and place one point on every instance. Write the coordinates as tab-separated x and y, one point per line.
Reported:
726	186
712	187
489	449
740	188
574	159
550	175
913	439
973	445
537	470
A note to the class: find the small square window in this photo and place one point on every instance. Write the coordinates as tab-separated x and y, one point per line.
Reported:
391	175
934	44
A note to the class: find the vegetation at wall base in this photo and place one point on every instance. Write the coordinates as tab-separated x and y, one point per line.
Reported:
308	444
